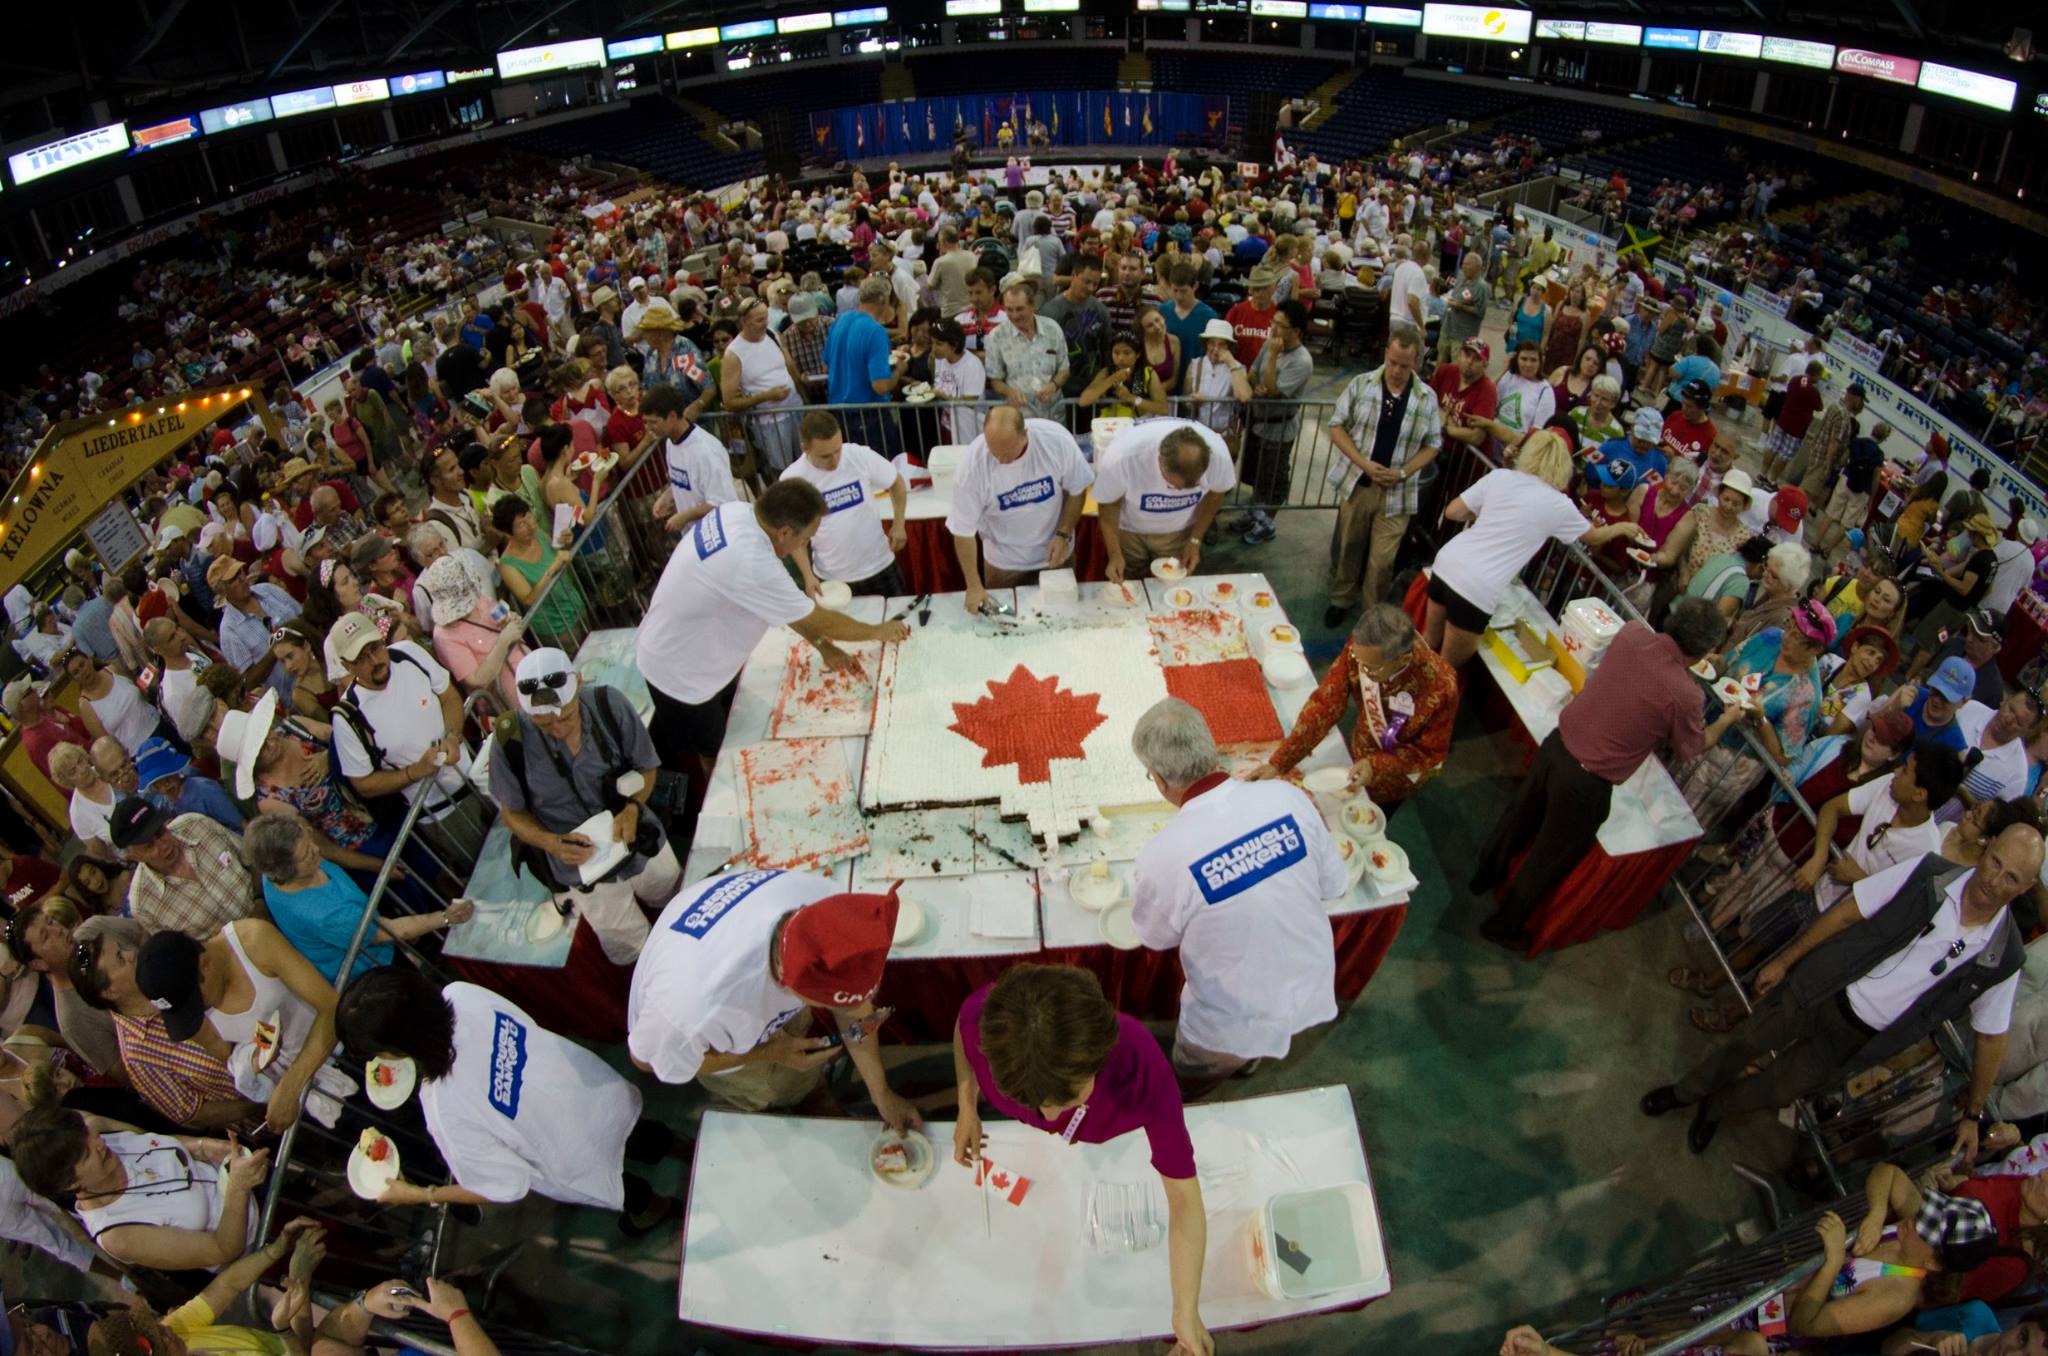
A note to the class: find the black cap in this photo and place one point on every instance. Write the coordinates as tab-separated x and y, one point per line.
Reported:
1984	623
167	973
134	822
1696	391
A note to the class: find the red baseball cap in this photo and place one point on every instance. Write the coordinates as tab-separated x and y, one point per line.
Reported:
1479	347
832	950
1788	509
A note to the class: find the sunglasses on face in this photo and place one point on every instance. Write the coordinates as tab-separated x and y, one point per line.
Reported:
546	682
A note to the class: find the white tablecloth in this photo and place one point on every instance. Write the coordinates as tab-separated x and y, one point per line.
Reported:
789	1235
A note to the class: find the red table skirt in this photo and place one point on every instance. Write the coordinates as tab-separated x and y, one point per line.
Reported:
927	994
585	999
1602	894
930	566
2023	640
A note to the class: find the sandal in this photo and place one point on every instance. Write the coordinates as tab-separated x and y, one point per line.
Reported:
1717	1021
1703	983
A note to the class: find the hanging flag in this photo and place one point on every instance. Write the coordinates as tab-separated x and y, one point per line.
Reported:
1108	127
1055	117
903	124
931	127
1148	115
1127	112
987	138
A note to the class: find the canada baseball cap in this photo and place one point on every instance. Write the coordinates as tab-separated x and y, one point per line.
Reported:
1788	508
134	822
1954	679
167	973
351	635
832	950
1478	348
546	681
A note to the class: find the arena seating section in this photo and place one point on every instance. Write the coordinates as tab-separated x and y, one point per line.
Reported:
1378	108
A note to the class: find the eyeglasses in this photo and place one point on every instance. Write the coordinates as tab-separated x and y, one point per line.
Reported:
546	682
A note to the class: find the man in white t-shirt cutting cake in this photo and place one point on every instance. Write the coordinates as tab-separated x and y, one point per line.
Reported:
723	990
851	545
1016	499
1237	881
699	471
1158	488
722	589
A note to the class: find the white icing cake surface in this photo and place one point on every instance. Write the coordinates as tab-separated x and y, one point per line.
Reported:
948	702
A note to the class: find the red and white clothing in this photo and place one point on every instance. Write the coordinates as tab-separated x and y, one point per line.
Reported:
1684	438
1404	725
1237	882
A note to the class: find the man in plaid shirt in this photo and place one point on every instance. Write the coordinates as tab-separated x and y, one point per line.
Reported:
1387	429
189	875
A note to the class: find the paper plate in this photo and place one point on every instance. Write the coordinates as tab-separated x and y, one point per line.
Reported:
544	922
920	1158
1223	593
1181	598
1364	820
1732	692
1353	854
1283	636
909	922
1327	781
1641	557
1390	852
1117	928
1285	668
1094	893
267	1043
1166	567
368	1179
1705	669
833	594
390	1096
1264	600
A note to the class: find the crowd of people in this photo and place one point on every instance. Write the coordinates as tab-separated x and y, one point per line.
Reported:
338	603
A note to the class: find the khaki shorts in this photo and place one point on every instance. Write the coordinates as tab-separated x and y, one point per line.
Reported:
1848	507
763	1086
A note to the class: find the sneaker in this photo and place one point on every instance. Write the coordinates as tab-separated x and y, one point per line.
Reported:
1260	534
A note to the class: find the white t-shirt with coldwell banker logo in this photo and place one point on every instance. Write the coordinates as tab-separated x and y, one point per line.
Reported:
852	543
1014	509
1237	881
699	471
701	985
1128	473
524	1110
721	591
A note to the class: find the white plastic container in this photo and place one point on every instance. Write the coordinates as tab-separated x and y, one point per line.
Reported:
1589	626
1058	588
1336	1229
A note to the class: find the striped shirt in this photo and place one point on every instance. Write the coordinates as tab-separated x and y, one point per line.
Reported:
174	1077
223	892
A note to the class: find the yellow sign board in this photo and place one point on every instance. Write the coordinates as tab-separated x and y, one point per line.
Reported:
84	464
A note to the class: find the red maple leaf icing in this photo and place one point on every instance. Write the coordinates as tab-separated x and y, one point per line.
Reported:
1028	721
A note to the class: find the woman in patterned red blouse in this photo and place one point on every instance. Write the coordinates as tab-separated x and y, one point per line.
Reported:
1407	699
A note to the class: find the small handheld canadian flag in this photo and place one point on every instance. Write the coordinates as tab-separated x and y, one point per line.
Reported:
1010	1186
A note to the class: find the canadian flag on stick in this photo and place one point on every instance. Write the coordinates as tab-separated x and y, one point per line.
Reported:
1010	1186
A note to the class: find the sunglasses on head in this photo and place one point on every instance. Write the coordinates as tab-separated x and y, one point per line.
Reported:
546	682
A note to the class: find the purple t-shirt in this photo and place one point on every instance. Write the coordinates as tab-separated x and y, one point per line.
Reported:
1135	1091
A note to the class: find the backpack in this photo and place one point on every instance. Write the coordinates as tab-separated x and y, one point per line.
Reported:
388	809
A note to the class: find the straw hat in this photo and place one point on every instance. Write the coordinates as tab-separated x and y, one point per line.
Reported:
659	315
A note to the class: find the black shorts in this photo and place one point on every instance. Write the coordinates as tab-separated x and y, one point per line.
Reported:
698	728
1457	611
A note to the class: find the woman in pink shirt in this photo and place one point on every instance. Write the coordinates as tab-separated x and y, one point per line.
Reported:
1047	1049
476	639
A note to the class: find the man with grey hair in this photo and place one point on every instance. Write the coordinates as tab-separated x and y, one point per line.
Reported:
1026	359
1237	881
1464	307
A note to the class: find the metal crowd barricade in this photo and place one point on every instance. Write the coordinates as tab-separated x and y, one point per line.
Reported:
314	1183
1728	1283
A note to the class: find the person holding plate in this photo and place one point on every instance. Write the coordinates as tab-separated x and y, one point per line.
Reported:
1407	703
1047	1050
513	1108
